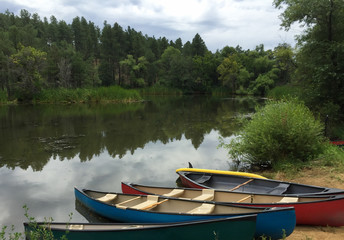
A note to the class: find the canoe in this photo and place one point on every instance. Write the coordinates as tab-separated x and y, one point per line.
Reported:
339	143
225	228
274	223
200	170
310	210
251	185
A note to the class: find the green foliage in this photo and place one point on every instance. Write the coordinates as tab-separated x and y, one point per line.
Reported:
262	85
198	46
284	92
160	90
229	71
11	234
36	232
285	62
101	94
79	55
319	59
220	91
279	131
27	66
332	156
133	70
3	96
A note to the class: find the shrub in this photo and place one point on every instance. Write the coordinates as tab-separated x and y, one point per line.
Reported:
279	131
284	92
3	96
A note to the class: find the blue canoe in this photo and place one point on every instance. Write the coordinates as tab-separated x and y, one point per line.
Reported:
274	223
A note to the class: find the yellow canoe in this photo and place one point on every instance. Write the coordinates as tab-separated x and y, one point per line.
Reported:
244	174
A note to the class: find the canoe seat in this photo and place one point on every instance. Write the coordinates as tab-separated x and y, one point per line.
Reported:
151	201
280	189
289	199
133	226
174	193
76	227
120	205
205	208
207	195
203	179
107	198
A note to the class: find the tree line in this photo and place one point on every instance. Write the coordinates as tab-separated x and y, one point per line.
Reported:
40	54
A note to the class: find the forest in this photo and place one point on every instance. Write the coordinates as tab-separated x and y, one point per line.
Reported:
38	54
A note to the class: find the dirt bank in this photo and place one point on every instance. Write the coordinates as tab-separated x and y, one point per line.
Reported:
321	176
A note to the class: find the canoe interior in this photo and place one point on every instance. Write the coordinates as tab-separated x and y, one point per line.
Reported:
223	196
157	204
257	185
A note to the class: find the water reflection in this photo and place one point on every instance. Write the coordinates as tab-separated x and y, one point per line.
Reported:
47	150
31	135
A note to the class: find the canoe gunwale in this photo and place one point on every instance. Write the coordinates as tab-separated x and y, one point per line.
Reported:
244	174
145	226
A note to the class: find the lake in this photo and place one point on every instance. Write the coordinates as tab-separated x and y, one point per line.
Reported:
46	150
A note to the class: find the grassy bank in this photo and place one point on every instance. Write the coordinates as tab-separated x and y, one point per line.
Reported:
283	92
160	90
331	161
3	97
102	94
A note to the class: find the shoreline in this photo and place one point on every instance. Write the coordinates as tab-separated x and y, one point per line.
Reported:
320	176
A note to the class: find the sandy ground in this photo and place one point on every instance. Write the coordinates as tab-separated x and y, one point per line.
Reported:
326	177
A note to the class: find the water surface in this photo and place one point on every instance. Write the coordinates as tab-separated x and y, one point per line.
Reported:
46	150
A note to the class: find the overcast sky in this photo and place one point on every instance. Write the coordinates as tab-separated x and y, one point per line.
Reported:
246	23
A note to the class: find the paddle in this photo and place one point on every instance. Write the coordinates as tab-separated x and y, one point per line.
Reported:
240	185
245	198
154	205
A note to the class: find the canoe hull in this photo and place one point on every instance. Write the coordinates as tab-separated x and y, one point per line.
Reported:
273	223
319	214
252	185
320	211
229	228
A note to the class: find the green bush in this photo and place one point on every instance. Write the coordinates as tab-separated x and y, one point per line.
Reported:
284	92
279	131
3	96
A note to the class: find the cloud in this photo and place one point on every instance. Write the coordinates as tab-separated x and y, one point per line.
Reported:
223	22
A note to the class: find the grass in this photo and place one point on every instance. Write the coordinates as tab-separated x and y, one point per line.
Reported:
3	96
160	90
101	94
283	92
220	91
36	232
331	161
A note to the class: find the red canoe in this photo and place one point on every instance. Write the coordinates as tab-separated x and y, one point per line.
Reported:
338	143
310	210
